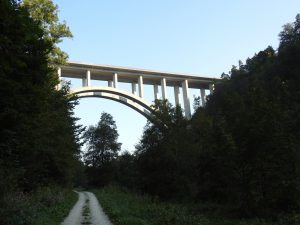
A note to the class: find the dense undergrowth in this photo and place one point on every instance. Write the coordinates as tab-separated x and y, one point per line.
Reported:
47	206
127	208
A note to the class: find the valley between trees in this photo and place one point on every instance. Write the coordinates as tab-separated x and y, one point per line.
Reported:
237	161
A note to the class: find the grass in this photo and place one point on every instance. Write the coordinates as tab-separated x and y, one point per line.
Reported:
127	208
86	213
47	206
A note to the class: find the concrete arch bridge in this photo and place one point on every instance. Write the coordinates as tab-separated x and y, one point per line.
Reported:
137	78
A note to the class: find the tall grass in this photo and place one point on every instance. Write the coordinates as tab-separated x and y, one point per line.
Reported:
126	208
47	206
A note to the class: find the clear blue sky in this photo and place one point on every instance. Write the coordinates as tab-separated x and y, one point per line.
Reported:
204	37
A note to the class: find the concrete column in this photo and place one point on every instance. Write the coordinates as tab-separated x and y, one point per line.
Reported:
115	80
141	87
203	96
84	82
177	95
211	88
110	83
186	99
133	88
58	86
164	88
88	78
156	93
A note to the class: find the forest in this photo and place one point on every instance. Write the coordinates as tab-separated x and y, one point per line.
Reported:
240	152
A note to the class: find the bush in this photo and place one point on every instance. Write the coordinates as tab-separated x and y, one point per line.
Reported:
46	206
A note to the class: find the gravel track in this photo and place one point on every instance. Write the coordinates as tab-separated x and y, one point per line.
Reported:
86	211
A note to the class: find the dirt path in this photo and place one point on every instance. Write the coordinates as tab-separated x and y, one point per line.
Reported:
87	211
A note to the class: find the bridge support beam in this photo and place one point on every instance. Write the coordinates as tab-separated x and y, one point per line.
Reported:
115	80
186	99
164	89
88	78
133	88
203	97
86	81
84	84
58	86
156	93
141	86
177	95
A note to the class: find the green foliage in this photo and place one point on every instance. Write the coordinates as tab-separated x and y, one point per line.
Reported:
39	141
127	208
102	150
248	134
162	156
102	145
46	206
46	13
126	170
124	207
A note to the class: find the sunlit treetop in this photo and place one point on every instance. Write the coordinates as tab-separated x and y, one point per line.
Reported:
46	13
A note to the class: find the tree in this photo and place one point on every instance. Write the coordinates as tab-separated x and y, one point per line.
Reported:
126	171
164	155
39	140
102	142
21	60
242	149
248	133
46	13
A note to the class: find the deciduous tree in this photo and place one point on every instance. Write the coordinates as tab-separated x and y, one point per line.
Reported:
46	13
102	142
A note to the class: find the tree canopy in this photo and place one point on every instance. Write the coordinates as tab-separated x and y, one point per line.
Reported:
45	12
102	142
39	140
102	148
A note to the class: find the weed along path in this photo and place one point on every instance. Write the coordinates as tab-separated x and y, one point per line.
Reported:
87	211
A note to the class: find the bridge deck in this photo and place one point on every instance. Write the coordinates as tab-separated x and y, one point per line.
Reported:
130	75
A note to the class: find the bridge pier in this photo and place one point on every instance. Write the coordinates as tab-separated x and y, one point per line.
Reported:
186	99
202	96
115	78
177	95
86	81
156	93
164	89
141	88
58	86
88	78
133	88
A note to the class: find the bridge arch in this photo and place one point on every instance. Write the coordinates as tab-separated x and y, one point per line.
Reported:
133	101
